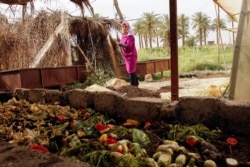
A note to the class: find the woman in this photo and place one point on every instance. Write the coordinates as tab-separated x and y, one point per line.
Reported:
129	52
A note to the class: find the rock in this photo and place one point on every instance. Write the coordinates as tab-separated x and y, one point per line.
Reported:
148	78
116	83
97	88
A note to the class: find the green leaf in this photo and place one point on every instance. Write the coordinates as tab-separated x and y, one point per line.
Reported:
140	137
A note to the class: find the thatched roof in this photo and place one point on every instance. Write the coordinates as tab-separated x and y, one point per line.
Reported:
20	42
81	3
15	2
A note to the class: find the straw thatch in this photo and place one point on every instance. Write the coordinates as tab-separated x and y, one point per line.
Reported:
15	2
81	3
20	42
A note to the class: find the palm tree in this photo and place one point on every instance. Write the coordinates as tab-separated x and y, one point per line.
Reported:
150	23
138	30
158	32
183	26
217	25
165	30
200	21
206	27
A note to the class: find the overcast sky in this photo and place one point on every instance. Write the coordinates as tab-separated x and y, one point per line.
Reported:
131	9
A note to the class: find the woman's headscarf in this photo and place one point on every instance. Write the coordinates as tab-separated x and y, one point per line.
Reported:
130	31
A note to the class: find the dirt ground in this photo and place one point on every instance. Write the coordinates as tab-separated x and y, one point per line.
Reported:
12	155
207	84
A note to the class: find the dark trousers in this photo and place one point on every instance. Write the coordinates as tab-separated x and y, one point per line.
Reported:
133	79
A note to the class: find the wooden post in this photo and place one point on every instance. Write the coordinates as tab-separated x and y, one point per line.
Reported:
174	50
65	32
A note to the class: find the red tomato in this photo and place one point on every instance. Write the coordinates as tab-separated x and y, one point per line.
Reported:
39	148
232	141
192	141
111	140
99	126
147	124
60	118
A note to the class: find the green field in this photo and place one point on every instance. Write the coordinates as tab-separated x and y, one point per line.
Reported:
192	59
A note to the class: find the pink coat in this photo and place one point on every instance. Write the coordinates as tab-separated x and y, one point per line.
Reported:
129	52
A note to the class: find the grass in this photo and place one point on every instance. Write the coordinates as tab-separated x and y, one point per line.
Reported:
192	59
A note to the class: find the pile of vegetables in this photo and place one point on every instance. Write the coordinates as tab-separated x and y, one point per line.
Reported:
102	142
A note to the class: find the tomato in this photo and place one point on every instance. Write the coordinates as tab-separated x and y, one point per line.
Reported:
39	148
111	140
147	124
192	141
232	141
99	126
60	118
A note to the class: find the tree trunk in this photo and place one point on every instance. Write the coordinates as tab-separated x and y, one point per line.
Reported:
118	10
205	37
200	33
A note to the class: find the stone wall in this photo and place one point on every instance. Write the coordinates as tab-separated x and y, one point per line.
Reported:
229	116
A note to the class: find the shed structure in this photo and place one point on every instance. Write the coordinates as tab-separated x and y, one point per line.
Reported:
239	81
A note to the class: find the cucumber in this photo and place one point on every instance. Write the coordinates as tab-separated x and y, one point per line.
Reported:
164	160
181	160
170	142
231	162
209	163
173	165
150	162
165	148
157	155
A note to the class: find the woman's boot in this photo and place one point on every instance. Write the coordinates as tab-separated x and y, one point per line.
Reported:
134	79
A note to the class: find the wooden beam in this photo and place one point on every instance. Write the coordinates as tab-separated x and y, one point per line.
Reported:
47	45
